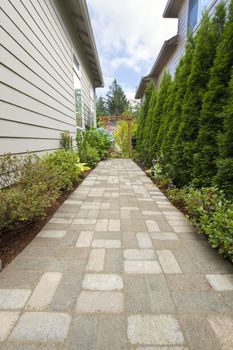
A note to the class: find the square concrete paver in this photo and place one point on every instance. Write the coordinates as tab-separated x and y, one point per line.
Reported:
7	322
96	260
139	254
101	225
154	330
164	236
84	221
106	243
100	302
42	327
44	291
168	261
223	329
51	234
13	299
152	226
220	282
84	239
102	282
114	225
146	267
64	221
144	240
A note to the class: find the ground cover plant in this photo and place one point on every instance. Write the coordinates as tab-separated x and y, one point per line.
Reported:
210	212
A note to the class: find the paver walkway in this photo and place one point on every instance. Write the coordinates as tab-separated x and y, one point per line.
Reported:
117	267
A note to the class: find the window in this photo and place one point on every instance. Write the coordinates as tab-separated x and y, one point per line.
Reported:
77	93
92	100
193	14
202	6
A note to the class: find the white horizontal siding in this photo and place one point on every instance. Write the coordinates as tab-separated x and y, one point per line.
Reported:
22	145
32	62
22	32
14	129
36	75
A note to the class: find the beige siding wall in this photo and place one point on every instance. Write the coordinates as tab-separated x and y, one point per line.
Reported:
36	75
182	32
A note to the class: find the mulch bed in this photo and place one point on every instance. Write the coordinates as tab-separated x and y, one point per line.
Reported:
14	241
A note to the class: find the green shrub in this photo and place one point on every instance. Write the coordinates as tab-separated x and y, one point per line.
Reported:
93	145
38	182
36	189
68	164
66	140
210	213
89	155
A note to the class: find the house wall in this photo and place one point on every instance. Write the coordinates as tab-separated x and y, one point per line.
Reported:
182	32
182	38
36	75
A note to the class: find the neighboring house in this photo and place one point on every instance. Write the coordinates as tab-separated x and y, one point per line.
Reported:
189	13
48	73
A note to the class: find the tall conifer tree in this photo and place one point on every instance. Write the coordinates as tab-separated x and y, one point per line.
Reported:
211	121
116	100
181	78
204	54
165	117
147	130
224	178
142	120
158	112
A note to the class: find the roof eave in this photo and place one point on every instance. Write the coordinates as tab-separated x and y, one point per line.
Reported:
141	87
96	71
83	5
172	9
165	53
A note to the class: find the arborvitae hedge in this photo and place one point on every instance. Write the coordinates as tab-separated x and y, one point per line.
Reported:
204	54
151	111
224	178
172	154
142	119
158	113
211	121
189	113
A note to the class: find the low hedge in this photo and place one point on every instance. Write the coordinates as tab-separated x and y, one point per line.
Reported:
210	212
30	185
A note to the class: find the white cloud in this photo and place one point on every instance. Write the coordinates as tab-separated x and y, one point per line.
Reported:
129	33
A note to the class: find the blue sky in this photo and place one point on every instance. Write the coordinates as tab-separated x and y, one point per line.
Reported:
129	35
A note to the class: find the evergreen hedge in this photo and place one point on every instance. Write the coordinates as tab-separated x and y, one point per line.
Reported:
187	124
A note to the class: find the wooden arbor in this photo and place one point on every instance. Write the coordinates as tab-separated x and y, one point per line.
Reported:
125	117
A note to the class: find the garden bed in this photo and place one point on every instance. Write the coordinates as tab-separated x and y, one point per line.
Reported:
12	242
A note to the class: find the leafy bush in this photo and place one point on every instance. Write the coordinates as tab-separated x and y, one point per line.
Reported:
93	145
66	140
99	139
89	155
210	213
38	182
35	190
68	164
